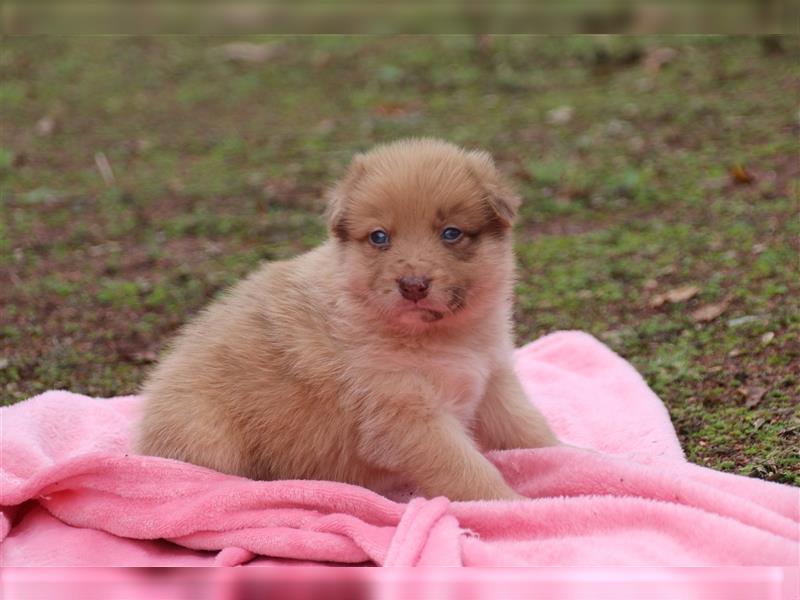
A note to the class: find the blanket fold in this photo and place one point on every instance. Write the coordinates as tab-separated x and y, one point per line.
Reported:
71	493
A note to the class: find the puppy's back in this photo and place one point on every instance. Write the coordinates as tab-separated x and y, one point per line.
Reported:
229	378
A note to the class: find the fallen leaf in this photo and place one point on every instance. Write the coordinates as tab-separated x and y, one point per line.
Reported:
45	126
143	145
176	186
484	42
675	295
248	52
667	270
657	58
683	293
741	175
767	337
255	179
788	430
560	115
709	312
617	127
213	248
397	109
758	423
753	394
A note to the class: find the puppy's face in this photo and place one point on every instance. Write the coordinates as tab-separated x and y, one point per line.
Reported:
424	233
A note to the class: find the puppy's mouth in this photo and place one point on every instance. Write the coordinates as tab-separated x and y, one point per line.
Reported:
430	311
428	315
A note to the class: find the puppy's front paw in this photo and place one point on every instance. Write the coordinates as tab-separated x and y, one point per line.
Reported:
504	493
515	497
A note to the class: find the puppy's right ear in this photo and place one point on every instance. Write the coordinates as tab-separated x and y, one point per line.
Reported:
501	198
339	195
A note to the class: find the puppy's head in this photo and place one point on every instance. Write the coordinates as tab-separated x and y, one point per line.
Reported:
424	230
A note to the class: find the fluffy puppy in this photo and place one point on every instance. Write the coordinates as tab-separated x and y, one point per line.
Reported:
382	357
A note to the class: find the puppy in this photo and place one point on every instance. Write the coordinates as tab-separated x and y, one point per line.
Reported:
382	357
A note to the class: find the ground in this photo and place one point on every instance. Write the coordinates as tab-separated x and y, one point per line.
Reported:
140	176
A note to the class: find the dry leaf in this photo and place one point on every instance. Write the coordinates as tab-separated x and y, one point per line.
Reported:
657	58
767	337
753	394
560	115
176	186
683	293
741	175
484	42
668	270
675	295
248	52
709	312
255	179
397	109
45	126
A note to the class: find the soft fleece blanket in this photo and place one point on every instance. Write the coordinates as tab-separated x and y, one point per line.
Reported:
72	494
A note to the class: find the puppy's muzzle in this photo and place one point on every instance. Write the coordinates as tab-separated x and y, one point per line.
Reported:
414	288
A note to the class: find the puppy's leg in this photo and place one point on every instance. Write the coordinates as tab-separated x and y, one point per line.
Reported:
429	447
506	419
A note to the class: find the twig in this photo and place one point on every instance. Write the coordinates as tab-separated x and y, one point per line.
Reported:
105	168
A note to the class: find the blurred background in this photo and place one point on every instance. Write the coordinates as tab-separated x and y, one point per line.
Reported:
139	176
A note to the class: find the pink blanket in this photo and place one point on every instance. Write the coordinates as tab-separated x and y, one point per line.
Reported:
71	494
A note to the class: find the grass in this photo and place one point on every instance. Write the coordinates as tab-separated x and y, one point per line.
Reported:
638	180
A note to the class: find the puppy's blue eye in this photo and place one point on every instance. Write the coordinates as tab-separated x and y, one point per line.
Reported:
451	234
379	238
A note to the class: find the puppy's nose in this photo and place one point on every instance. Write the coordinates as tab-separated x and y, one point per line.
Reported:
414	288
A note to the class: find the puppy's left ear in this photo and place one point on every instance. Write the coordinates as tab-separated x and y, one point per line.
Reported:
339	195
502	198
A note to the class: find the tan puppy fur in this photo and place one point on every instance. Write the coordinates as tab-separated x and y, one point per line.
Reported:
320	368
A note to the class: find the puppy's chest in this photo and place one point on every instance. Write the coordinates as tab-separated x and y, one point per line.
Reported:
460	380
